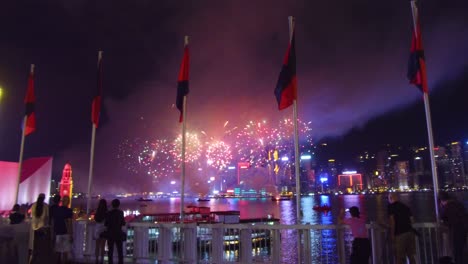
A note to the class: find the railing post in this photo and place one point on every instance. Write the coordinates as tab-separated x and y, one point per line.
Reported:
275	246
140	244
374	242
340	244
190	243
164	243
307	246
90	243
217	243
79	231
246	245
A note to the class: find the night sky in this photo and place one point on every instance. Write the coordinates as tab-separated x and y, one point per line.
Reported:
351	69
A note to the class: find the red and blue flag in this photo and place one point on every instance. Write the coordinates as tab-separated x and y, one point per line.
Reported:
29	101
183	83
96	105
416	63
286	87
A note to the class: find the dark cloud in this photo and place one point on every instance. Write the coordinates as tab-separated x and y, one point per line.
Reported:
351	57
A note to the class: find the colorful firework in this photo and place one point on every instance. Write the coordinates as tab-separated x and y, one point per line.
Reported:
253	142
284	138
162	162
193	148
218	154
129	155
146	157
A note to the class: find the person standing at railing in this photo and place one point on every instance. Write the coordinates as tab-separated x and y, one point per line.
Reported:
455	217
361	249
99	218
16	217
114	234
402	233
62	220
39	234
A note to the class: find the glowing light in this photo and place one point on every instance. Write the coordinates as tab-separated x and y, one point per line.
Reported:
306	157
349	172
331	160
323	180
218	154
231	168
417	158
193	148
172	182
284	158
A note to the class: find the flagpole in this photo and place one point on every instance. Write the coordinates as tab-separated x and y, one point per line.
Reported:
296	156
427	109
20	164
296	142
184	127
23	137
91	156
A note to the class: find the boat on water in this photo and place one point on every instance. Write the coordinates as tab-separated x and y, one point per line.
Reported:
284	196
141	199
322	208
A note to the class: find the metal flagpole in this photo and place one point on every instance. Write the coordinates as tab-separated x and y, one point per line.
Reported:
414	10
23	137
184	127
20	164
91	157
296	156
296	142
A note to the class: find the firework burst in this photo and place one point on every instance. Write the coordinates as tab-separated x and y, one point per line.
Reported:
193	148
218	154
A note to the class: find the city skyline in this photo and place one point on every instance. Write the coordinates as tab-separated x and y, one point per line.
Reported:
351	70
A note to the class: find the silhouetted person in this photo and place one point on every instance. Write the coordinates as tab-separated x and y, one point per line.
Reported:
99	218
63	230
16	217
401	230
454	215
52	208
39	234
115	236
361	250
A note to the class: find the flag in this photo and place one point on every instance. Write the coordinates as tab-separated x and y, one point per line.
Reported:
286	88
96	105
29	101
183	83
416	63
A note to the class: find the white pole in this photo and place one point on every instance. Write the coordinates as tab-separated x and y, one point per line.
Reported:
184	127
296	142
23	136
90	175
20	165
91	155
296	157
427	109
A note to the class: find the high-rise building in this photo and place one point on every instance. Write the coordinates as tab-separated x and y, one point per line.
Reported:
368	165
443	167
456	165
418	171
402	174
332	168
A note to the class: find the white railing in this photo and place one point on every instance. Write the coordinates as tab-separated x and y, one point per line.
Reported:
251	243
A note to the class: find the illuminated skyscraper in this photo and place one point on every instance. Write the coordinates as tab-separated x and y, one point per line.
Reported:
402	174
456	164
